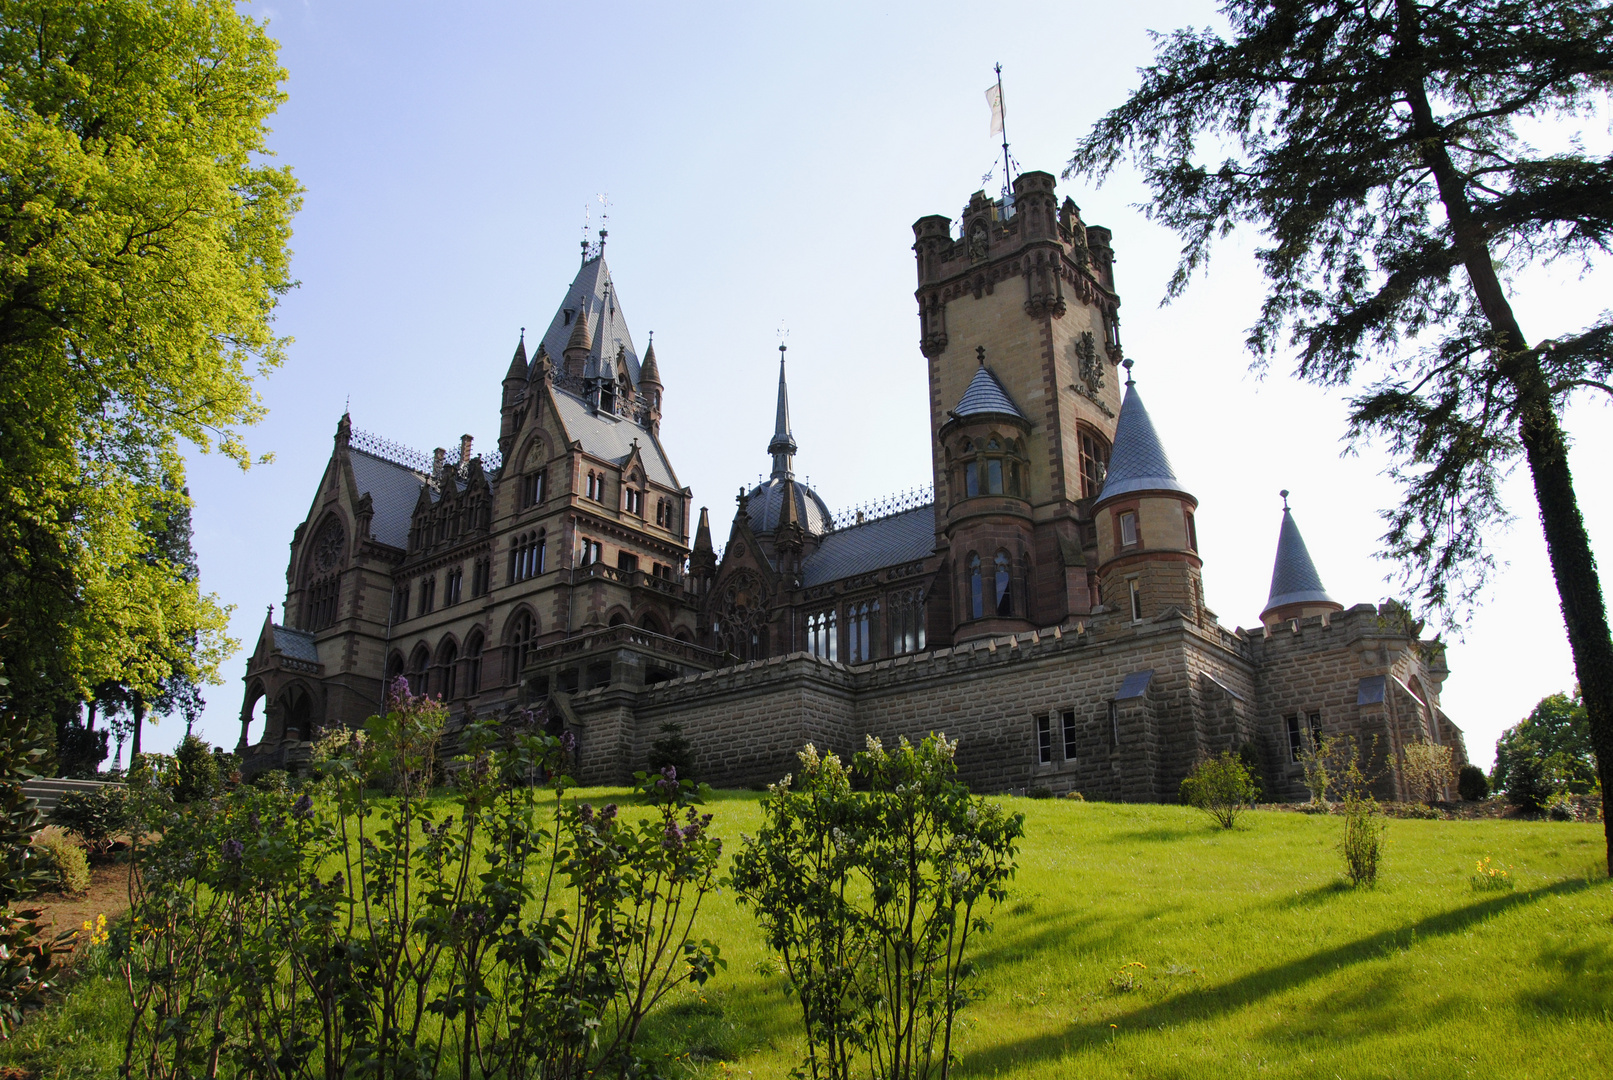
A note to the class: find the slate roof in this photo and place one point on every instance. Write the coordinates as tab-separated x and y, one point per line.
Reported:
766	499
295	644
1134	685
394	489
593	288
611	437
1294	579
986	395
1138	461
888	541
1370	690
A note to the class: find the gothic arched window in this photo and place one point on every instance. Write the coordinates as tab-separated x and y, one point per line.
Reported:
473	664
1004	584
419	666
448	660
520	644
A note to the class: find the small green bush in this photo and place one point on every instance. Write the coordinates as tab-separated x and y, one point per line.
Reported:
674	750
66	862
94	817
1039	792
1529	785
1363	840
1560	807
1472	784
1221	787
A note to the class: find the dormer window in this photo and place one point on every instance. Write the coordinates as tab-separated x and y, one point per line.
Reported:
633	501
1128	529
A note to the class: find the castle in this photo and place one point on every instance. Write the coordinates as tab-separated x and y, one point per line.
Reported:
1045	606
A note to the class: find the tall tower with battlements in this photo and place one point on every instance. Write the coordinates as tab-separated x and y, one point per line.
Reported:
1019	326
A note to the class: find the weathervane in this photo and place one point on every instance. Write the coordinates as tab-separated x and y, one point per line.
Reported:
994	98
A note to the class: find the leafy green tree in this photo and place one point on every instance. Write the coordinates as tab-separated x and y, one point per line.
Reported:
1556	735
1377	147
142	255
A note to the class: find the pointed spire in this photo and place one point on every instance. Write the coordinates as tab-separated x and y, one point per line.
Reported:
518	361
344	429
1138	461
541	363
985	394
783	445
1294	579
581	341
649	373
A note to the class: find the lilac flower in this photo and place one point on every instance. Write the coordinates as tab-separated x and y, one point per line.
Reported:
303	807
568	742
585	814
608	813
670	772
253	820
672	839
398	694
233	850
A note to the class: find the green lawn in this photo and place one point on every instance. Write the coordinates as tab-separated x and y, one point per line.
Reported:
1254	959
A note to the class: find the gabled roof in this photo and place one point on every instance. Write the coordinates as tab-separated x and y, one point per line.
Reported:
1138	461
887	541
393	489
610	437
986	395
1294	579
593	290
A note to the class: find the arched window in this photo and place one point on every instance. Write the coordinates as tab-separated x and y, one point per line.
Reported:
448	660
857	632
520	641
1004	584
322	597
907	621
532	487
394	668
419	671
977	596
473	664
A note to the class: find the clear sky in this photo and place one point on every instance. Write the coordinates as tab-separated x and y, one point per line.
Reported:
764	165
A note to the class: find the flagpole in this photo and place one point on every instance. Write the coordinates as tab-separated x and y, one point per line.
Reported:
1002	106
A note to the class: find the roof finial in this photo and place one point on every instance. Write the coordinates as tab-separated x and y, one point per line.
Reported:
980	354
1284	494
523	335
271	613
783	446
1127	365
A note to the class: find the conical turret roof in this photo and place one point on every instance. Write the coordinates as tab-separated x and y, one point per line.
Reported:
1138	461
648	371
580	338
1294	579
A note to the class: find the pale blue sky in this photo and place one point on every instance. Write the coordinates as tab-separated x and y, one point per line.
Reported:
764	165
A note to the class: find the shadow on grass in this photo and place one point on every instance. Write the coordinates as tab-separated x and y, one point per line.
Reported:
1164	834
1209	1002
1311	897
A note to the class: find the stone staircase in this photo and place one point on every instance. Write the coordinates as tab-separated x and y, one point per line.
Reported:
49	792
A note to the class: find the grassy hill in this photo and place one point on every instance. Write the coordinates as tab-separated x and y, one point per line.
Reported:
1144	942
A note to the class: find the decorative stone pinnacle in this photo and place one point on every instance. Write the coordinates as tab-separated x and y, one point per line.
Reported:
1127	365
980	354
1284	494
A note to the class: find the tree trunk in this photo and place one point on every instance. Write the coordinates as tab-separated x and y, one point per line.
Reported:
139	720
1568	545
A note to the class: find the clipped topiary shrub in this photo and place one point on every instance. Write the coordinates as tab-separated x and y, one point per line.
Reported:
1472	784
65	861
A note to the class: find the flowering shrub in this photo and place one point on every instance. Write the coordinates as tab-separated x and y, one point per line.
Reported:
341	931
870	899
1222	787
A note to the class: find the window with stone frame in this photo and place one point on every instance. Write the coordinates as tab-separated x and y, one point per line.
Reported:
322	597
1192	532
1135	588
473	663
633	500
448	661
1128	528
590	552
428	595
627	562
860	621
520	645
419	671
453	582
527	555
907	621
823	635
1067	719
533	487
400	602
1044	739
481	573
1094	462
1003	583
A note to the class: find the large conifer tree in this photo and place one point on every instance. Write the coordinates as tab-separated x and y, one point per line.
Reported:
1376	145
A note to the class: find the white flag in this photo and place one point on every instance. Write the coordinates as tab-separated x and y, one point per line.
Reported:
994	98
